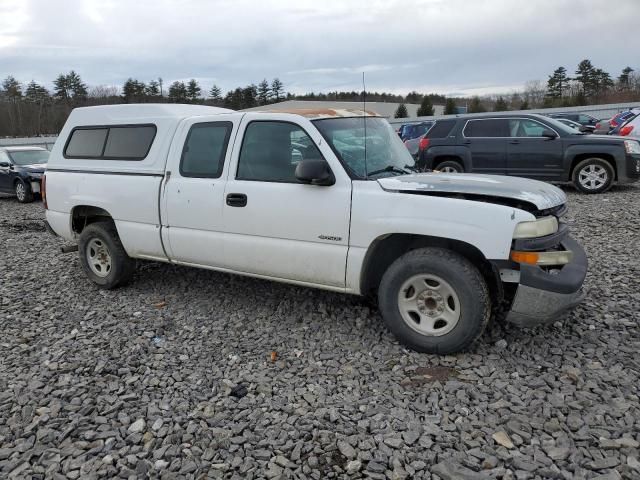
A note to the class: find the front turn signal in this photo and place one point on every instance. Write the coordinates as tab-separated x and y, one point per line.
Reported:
542	258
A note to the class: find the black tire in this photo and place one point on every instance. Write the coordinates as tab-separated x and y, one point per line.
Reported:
450	164
121	266
23	191
599	165
473	300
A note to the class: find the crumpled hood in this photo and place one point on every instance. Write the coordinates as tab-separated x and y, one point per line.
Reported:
542	195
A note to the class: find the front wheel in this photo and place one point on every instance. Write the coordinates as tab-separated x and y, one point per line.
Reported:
102	256
23	192
450	166
593	175
434	301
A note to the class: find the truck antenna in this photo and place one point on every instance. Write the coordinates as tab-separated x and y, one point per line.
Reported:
364	121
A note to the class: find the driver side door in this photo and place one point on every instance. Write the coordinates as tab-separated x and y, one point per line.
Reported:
276	226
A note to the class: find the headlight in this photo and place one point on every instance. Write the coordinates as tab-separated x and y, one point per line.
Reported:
631	146
538	228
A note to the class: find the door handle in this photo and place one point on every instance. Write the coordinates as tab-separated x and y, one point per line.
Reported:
514	142
237	200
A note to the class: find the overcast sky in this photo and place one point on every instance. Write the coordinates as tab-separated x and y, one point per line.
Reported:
459	47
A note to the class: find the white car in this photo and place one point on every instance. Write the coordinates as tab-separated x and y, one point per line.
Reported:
631	128
318	198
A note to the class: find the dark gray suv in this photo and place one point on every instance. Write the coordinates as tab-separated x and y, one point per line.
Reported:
532	146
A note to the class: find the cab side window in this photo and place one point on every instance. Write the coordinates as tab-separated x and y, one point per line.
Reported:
205	149
271	151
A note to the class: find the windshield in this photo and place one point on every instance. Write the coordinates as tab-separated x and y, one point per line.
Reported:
383	155
29	157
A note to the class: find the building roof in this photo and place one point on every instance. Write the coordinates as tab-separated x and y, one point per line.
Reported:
383	109
324	112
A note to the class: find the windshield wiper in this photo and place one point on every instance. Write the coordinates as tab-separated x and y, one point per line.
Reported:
389	168
412	168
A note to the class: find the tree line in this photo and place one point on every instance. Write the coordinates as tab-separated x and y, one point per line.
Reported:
590	85
31	109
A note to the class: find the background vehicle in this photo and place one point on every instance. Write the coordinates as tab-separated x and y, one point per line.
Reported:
533	146
410	131
576	125
581	118
218	189
21	170
631	128
413	144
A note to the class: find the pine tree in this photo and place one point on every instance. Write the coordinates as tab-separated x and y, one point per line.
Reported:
152	89
234	99
263	92
77	86
426	107
623	79
36	93
11	88
277	89
501	105
249	96
450	106
557	83
178	92
133	91
524	105
215	94
601	81
585	77
475	106
401	112
193	90
61	88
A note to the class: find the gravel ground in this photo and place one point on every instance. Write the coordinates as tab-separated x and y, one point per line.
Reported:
194	374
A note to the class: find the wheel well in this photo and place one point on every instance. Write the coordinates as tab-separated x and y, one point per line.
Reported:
447	158
83	215
602	156
386	249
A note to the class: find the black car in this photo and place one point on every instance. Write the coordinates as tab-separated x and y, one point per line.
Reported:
529	145
21	170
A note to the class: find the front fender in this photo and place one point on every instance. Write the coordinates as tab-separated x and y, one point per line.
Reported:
612	152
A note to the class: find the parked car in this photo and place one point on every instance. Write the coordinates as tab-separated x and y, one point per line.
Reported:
621	118
581	118
529	145
409	131
413	144
21	169
631	128
212	188
577	126
603	127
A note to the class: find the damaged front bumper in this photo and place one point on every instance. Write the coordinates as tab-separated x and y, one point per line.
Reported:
543	295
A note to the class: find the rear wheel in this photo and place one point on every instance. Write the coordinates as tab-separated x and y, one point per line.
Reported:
450	166
434	301
23	192
103	257
593	175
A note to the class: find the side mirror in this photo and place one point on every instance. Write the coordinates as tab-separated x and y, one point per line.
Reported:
5	165
315	172
550	134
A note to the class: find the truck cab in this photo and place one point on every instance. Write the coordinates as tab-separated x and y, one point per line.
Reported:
320	198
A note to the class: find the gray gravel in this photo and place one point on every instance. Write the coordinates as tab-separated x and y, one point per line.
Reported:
195	374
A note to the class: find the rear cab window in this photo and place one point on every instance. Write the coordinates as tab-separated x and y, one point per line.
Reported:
205	149
113	142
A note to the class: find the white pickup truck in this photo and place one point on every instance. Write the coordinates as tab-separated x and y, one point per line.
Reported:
319	198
